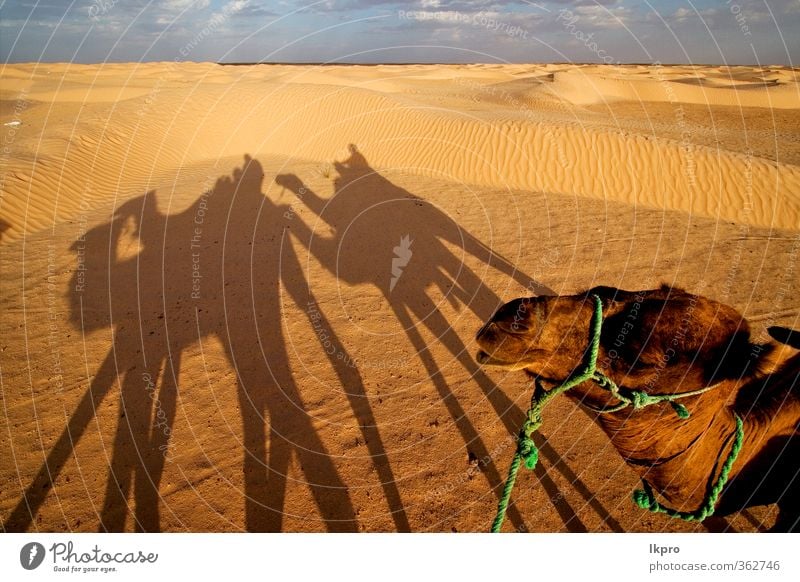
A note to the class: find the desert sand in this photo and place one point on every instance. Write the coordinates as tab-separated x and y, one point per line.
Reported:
245	297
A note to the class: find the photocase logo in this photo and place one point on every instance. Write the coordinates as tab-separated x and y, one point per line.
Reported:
31	555
402	256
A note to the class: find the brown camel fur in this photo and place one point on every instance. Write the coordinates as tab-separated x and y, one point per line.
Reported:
668	341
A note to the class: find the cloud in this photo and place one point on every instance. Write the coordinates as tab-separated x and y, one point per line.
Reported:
249	9
180	5
462	29
443	5
684	14
602	17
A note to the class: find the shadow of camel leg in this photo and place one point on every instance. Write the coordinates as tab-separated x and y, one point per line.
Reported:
148	476
565	510
26	509
290	421
372	437
353	387
330	492
265	485
130	449
262	514
468	433
268	516
557	462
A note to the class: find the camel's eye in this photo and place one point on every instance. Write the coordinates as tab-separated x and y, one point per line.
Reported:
512	326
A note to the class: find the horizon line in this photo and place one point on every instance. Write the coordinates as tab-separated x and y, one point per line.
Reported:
405	63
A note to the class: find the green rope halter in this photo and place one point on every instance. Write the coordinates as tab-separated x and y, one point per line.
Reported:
644	498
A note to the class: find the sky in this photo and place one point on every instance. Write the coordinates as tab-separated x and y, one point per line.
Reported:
765	32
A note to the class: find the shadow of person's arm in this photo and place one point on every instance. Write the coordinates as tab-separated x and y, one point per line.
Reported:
306	195
479	250
323	248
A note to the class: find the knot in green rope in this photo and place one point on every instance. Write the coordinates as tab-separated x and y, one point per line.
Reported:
639	399
525	446
528	451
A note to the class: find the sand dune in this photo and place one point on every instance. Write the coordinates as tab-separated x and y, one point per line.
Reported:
663	84
124	124
577	175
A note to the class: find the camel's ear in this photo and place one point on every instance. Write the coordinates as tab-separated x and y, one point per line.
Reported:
784	335
737	357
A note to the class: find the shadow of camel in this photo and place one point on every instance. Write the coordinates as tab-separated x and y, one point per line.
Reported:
215	269
377	225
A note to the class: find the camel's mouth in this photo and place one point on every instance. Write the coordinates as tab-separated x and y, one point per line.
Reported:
485	359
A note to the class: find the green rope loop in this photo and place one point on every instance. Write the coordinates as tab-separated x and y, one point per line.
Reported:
680	410
644	498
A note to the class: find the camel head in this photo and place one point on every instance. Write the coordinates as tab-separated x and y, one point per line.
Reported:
661	341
